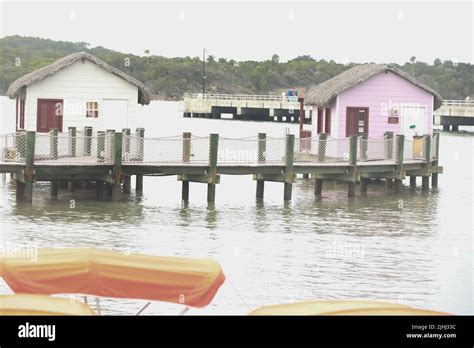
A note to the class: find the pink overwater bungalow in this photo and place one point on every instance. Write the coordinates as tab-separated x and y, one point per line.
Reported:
372	99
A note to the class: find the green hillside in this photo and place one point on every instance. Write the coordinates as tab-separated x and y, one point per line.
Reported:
169	78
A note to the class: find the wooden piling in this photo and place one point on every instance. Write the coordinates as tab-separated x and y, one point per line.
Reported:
212	172
398	184
318	187
400	143
388	183
71	186
117	167
434	180
29	166
141	152
54	189
425	183
351	189
100	190
289	153
353	163
127	184
412	181
363	185
139	183
434	176
185	190
260	189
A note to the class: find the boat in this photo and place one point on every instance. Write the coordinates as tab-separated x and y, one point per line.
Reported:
101	273
342	307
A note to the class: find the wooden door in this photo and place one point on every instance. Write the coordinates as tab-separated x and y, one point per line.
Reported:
49	115
357	121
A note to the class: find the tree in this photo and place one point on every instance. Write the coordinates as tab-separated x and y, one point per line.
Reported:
275	59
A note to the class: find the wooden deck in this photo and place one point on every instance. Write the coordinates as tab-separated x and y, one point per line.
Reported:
112	176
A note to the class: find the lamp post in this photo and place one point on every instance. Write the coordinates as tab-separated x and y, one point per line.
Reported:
203	73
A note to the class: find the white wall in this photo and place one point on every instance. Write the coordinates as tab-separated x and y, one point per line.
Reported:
77	84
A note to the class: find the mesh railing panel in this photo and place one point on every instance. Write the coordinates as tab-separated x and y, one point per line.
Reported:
165	150
251	150
414	149
64	148
337	150
375	149
321	150
13	147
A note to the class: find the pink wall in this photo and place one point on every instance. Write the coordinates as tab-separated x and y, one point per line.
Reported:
383	91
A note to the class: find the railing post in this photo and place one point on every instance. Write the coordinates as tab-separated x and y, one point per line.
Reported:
186	159
399	161
388	136
109	144
434	176
400	149
262	147
186	147
87	141
141	143
261	157
427	148
72	141
353	150
212	173
425	184
100	146
53	143
140	156
322	145
353	165
117	166
364	147
25	190
289	156
126	143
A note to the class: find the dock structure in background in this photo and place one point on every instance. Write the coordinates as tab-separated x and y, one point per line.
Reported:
245	107
109	160
454	113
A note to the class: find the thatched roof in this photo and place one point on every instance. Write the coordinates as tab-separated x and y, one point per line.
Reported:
15	88
325	93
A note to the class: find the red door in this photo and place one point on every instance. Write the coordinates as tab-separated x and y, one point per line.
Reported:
49	115
357	121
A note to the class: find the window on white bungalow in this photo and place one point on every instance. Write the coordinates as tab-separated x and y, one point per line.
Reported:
92	109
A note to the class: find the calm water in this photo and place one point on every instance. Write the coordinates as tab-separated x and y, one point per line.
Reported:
416	248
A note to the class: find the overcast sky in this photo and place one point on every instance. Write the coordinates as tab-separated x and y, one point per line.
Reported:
343	31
